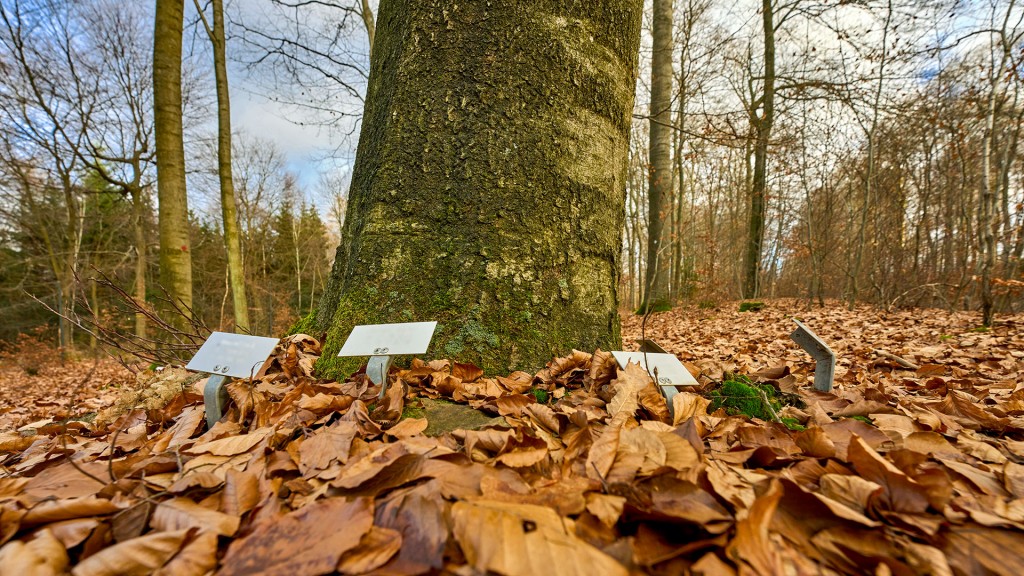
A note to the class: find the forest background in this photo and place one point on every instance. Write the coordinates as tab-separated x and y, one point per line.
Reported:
860	150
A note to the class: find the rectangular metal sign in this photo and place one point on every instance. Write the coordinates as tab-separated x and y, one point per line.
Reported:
671	371
389	339
234	355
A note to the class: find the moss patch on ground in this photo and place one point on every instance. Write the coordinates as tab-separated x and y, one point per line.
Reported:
444	416
738	395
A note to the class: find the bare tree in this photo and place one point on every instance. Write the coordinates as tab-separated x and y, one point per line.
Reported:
229	216
175	245
659	190
47	102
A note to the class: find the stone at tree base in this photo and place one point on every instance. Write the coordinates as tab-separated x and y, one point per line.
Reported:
443	416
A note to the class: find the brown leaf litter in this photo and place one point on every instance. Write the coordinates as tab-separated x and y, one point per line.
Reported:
899	471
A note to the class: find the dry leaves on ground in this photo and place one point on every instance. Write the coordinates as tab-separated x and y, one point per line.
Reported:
312	477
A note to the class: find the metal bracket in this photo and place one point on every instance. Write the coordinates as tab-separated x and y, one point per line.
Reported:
215	396
651	346
377	369
824	357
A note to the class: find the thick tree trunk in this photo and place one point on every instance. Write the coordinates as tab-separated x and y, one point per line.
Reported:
762	130
175	248
489	183
659	189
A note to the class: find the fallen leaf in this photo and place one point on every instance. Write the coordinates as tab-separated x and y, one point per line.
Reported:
375	549
520	539
306	542
232	445
196	558
183	513
136	557
43	555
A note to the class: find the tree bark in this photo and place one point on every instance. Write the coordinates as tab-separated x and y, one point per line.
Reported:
988	212
175	249
659	189
366	13
762	134
139	228
489	181
228	210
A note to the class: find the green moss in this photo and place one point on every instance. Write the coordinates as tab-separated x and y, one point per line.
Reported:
707	304
413	411
657	306
751	306
793	424
304	325
864	419
539	395
738	395
980	329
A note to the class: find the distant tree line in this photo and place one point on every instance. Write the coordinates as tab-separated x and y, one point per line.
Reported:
78	185
866	151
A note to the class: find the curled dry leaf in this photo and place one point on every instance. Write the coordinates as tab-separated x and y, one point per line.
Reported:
183	513
232	445
136	557
520	539
196	558
307	542
376	548
43	555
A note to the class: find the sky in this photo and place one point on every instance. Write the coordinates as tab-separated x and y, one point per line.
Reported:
261	92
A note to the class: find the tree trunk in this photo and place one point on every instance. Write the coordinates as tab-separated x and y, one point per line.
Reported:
762	134
229	213
659	189
139	227
175	249
988	212
366	13
489	182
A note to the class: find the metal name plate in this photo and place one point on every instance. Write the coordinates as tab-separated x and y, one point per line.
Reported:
234	355
389	339
671	371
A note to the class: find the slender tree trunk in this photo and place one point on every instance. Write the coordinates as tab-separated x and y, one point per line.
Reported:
229	212
175	246
869	178
371	29
488	189
139	229
762	130
659	189
988	214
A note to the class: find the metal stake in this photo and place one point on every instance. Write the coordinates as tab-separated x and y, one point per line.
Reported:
824	357
215	396
377	370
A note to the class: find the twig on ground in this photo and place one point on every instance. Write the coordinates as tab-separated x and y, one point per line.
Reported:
901	361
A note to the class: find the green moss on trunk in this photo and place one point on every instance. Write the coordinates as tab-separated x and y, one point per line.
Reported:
489	183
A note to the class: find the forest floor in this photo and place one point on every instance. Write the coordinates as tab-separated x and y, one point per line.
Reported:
914	463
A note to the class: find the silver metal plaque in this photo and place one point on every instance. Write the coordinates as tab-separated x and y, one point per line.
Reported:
389	339
671	371
234	355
